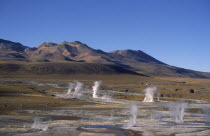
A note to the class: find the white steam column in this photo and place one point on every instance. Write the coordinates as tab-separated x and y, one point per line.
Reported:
96	88
77	88
149	94
71	86
177	110
133	114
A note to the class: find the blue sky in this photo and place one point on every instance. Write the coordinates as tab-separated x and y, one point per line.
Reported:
176	32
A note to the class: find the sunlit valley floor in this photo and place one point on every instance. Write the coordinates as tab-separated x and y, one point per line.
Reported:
40	105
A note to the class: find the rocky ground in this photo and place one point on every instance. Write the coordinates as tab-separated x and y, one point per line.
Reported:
53	113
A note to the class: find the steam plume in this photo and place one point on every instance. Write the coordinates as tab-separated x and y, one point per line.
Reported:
77	88
177	111
71	86
96	88
149	94
133	114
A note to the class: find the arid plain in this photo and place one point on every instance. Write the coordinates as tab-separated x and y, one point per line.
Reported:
28	98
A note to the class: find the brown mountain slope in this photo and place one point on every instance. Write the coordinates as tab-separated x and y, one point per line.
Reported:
12	51
68	51
76	51
136	55
6	45
144	63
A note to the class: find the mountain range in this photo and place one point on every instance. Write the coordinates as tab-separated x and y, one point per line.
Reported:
134	60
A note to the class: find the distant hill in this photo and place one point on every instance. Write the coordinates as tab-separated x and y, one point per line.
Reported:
67	51
6	45
134	60
137	55
146	64
12	51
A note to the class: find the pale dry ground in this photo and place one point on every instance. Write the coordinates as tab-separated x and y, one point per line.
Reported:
106	117
28	96
127	87
134	84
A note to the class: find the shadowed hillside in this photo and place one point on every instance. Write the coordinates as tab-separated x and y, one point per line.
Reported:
61	68
12	51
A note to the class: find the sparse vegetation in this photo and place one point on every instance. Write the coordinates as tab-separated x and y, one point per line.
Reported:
36	97
60	68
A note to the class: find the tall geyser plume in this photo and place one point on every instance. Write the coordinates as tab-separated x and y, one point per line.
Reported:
133	114
77	88
96	88
149	94
71	86
177	110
